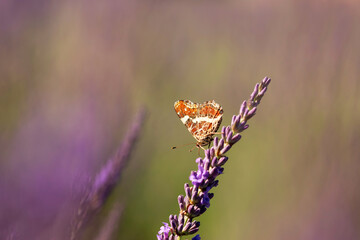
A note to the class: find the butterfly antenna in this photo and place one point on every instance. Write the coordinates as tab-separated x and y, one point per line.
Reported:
192	149
174	147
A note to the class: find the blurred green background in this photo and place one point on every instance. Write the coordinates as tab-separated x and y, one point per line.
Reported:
74	73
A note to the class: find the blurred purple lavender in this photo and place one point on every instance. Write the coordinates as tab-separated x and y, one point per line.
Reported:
197	197
111	223
107	178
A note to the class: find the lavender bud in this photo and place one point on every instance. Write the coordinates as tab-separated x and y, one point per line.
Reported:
222	161
251	113
194	193
193	230
199	161
225	149
255	92
227	130
173	222
233	119
187	201
197	237
195	224
194	211
229	136
216	142
223	132
211	195
181	219
172	237
266	81
262	92
212	152
202	210
214	183
187	190
214	172
181	202
191	210
180	227
235	138
214	162
187	226
205	201
245	113
221	143
242	108
235	124
207	151
207	163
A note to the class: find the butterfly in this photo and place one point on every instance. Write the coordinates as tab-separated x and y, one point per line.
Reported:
202	120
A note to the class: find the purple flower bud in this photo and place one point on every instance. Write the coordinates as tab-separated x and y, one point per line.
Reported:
229	136
222	161
236	121
195	227
245	112
221	143
251	113
225	149
214	162
206	163
205	200
262	92
187	190
255	92
212	153
235	138
216	142
187	226
266	81
181	202
242	108
211	195
194	193
233	119
193	230
199	160
172	237
197	237
187	201
223	132
191	210
181	219
180	227
214	172
215	183
173	222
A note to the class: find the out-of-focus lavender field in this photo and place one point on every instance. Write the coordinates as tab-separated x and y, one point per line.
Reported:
73	75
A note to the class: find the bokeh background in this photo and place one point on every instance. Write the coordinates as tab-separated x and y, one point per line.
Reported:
73	74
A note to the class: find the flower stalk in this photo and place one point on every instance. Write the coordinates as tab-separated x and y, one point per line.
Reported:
197	197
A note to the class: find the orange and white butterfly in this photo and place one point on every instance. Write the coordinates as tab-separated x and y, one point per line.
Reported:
202	120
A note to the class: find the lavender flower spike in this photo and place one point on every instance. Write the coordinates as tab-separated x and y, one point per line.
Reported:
107	178
197	197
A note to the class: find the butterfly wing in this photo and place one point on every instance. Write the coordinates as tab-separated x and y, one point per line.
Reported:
201	120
